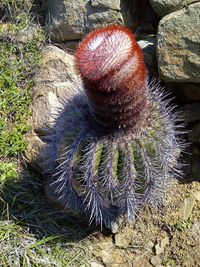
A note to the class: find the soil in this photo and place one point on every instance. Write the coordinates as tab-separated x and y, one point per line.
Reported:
168	237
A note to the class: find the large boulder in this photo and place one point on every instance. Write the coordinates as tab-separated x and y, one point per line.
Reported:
178	42
54	82
185	92
165	7
71	20
112	4
191	112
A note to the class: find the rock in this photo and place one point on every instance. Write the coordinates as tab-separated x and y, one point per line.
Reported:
160	246
195	149
112	258
111	4
53	84
148	46
66	19
71	20
156	260
104	250
114	227
194	136
116	254
54	81
196	231
69	46
95	264
195	162
33	153
150	244
197	195
178	42
140	262
196	167
164	7
122	240
104	242
98	19
185	92
187	207
139	16
191	112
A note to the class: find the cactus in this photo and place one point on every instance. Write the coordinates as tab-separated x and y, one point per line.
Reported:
113	148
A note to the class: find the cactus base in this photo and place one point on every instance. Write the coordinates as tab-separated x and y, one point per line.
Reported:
106	175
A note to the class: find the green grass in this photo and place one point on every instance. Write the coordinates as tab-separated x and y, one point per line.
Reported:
186	224
31	232
20	56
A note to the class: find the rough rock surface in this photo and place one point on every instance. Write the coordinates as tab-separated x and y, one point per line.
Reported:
185	92
53	83
178	43
191	112
112	4
164	7
148	46
71	20
194	135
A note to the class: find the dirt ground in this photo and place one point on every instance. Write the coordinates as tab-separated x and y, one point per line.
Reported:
169	237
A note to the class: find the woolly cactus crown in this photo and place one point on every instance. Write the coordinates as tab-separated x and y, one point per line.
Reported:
112	68
113	146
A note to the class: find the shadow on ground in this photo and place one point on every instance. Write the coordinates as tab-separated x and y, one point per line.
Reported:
23	201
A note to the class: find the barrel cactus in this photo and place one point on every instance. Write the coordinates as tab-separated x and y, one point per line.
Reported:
113	147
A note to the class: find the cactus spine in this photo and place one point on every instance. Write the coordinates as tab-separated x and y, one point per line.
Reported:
113	146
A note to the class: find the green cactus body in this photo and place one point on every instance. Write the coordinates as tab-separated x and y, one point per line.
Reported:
113	148
119	171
